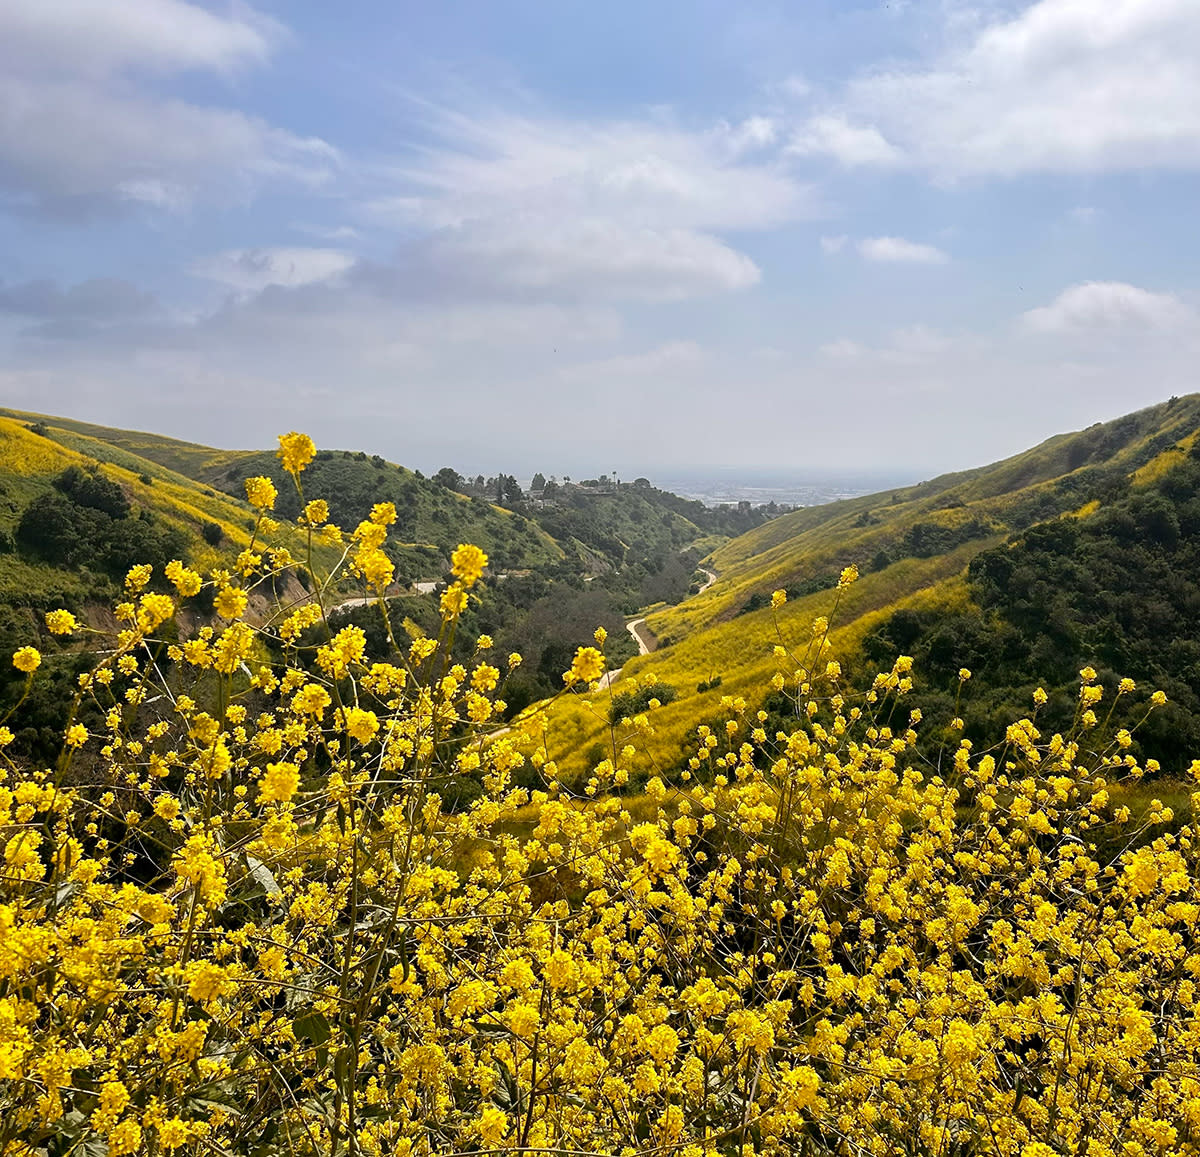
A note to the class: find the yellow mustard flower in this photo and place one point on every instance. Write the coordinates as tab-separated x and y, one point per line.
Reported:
295	451
261	492
467	564
61	622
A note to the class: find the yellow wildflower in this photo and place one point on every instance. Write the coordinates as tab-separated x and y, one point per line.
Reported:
61	622
588	666
279	784
230	603
383	513
186	582
295	451
261	492
467	564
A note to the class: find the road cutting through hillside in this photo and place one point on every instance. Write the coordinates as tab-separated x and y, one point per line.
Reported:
646	642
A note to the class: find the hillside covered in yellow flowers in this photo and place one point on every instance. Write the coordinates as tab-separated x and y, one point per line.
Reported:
240	915
919	551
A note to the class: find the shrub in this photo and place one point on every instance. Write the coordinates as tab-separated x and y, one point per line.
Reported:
630	703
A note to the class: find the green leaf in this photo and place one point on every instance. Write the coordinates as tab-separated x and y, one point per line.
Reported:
312	1026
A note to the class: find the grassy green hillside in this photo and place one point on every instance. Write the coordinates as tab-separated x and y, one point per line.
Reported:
432	519
912	547
162	502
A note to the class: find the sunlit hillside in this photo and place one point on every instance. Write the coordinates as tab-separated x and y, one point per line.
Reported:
433	520
911	546
158	496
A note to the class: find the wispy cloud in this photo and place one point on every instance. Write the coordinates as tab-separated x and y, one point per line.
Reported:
84	127
255	269
898	249
637	209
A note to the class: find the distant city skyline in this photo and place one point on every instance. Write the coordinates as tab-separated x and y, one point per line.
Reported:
913	236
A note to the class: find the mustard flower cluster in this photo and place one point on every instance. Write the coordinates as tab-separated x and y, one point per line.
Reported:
240	918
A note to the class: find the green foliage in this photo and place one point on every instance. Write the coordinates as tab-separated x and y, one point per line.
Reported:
91	489
760	599
627	704
429	516
1119	590
86	519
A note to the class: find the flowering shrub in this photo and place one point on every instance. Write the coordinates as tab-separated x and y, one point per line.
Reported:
239	920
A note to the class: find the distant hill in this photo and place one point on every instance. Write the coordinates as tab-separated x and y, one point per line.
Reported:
81	503
432	519
914	547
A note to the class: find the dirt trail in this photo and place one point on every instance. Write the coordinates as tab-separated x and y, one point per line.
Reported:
646	642
642	635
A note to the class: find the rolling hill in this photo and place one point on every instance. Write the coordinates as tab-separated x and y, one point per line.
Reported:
913	548
432	519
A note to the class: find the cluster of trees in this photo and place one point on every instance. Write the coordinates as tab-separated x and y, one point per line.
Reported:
87	520
426	512
1119	590
504	489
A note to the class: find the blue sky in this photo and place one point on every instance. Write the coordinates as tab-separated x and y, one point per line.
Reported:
572	236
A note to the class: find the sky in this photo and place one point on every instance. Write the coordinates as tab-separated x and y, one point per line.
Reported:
911	235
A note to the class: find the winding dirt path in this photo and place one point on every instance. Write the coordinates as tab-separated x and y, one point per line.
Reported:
646	642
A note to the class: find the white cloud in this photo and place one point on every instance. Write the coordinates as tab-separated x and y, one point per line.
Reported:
594	257
81	130
842	349
671	359
850	144
328	232
1108	306
907	346
633	209
834	244
897	249
649	173
255	269
1060	86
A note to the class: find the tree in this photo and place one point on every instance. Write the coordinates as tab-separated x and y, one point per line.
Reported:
539	481
92	489
448	477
